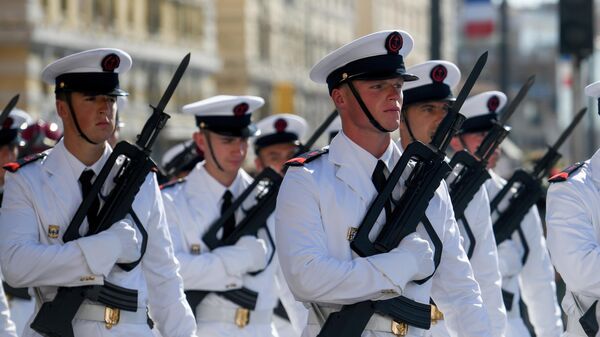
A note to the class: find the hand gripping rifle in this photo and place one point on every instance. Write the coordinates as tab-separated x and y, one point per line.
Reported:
429	169
471	169
523	189
55	317
267	183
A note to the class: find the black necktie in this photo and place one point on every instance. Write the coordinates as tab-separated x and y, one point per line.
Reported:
379	179
230	222
86	186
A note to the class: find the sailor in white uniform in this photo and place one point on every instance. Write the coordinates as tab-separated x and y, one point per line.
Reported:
326	193
43	193
425	100
573	224
528	276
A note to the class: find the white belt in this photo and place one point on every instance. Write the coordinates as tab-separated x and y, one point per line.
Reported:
376	323
238	316
110	316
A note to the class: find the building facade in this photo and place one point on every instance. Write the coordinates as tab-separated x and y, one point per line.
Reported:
157	34
255	47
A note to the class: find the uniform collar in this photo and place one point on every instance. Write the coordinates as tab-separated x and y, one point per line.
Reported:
200	181
356	165
60	159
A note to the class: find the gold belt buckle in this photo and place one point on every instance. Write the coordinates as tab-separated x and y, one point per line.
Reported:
111	316
399	329
242	317
436	314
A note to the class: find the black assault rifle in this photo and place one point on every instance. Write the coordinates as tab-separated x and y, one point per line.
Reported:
429	168
524	189
470	170
267	183
55	317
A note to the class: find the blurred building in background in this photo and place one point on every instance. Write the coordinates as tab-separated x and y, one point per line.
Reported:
269	46
256	47
156	33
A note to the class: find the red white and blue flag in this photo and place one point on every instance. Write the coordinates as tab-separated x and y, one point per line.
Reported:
479	18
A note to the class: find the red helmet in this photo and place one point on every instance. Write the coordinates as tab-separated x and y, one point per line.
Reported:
39	137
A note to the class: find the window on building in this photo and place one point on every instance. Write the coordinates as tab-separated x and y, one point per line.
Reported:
264	32
153	17
103	13
190	21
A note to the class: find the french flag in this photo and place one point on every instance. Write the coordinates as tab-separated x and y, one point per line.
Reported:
479	18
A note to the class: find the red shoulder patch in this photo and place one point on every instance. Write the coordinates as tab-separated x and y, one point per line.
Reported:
566	173
307	157
172	183
15	166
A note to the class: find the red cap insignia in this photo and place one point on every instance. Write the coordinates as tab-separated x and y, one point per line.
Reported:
438	73
393	43
280	125
240	109
110	62
493	103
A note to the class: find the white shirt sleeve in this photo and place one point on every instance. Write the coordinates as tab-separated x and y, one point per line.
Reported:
312	272
454	288
167	302
7	327
26	261
536	281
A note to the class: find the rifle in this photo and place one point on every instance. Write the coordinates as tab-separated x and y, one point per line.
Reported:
55	317
268	182
429	169
470	170
527	188
8	108
318	132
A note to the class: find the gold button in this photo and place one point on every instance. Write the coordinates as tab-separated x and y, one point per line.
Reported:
195	249
351	234
87	278
53	231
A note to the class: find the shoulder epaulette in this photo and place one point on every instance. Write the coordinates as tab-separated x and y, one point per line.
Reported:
15	166
171	183
307	157
566	173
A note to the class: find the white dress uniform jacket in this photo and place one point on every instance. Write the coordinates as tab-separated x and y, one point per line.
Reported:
573	222
7	327
534	280
484	262
43	196
316	206
192	206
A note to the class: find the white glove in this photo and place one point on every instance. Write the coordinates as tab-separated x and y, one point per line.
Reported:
509	258
256	250
118	244
247	255
421	252
130	246
411	260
